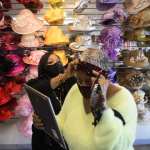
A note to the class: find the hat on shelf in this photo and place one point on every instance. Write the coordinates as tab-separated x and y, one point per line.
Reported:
55	16
113	16
33	73
33	5
81	43
18	67
7	110
106	4
135	6
141	35
34	57
13	88
55	36
9	41
56	2
136	58
26	22
29	40
62	55
81	5
111	38
4	96
81	23
139	20
130	78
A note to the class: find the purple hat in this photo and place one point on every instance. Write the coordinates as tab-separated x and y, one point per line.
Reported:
106	4
113	16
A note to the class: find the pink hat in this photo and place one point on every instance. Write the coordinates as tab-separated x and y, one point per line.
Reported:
34	57
33	73
26	22
29	40
18	67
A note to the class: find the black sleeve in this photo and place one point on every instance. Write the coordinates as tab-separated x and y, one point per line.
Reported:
41	84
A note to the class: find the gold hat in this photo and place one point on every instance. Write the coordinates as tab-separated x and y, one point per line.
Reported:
26	22
55	36
54	16
61	54
56	2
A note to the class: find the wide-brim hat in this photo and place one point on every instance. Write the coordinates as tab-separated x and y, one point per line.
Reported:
107	4
29	40
135	6
77	47
55	36
34	57
62	55
26	22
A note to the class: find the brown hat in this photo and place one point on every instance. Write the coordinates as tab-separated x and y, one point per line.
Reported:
135	6
26	22
140	20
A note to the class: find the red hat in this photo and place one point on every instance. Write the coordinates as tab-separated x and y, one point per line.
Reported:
12	88
4	96
7	110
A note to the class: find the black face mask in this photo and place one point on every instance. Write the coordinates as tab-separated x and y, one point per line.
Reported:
54	70
85	91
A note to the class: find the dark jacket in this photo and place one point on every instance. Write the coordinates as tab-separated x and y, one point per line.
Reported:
41	141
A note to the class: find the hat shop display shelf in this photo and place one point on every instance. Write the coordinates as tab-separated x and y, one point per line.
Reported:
70	27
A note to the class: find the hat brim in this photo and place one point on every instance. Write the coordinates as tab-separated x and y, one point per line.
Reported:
103	7
22	30
76	47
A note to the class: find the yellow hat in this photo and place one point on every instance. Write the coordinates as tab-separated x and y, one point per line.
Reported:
54	16
55	36
61	54
55	2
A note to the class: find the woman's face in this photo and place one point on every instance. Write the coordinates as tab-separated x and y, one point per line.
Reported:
85	83
53	59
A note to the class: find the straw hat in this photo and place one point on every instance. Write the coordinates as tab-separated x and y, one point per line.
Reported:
135	6
61	54
29	40
55	36
54	16
34	57
140	20
26	22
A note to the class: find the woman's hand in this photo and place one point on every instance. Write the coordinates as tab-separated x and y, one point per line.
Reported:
103	82
37	122
70	70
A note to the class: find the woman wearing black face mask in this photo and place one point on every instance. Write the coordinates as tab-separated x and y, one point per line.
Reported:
54	80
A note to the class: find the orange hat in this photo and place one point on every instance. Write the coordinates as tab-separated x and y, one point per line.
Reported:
55	36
